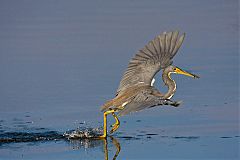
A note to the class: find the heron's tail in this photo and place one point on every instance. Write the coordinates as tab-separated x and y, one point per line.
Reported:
107	105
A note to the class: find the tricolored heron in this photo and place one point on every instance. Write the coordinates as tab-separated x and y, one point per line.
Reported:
136	90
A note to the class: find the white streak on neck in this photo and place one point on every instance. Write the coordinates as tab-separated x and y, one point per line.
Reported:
175	86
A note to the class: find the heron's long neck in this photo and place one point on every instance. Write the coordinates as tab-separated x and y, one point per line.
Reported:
170	83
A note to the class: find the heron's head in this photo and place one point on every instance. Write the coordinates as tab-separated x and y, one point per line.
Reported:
177	70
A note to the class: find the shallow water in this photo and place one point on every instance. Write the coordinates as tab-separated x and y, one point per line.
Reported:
60	61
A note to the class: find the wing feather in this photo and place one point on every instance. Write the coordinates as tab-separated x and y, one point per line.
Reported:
168	42
173	41
156	46
156	55
178	45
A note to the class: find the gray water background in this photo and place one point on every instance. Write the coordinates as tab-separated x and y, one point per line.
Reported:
61	60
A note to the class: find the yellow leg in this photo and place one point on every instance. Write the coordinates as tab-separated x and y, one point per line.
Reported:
105	123
116	125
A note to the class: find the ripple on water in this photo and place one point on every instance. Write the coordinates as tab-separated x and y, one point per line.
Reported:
187	138
226	137
151	134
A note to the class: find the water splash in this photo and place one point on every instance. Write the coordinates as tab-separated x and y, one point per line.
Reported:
83	133
35	135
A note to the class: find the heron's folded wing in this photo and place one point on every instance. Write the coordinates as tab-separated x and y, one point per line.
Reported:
156	55
142	101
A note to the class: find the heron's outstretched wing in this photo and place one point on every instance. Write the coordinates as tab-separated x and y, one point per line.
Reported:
156	55
145	100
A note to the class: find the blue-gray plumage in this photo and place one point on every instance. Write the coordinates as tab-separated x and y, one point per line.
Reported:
136	91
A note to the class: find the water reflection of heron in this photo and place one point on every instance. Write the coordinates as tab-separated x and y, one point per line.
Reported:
136	91
91	143
115	143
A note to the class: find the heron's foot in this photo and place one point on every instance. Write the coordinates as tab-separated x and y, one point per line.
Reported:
176	103
114	127
173	103
101	137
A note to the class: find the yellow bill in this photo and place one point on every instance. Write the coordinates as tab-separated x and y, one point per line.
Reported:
180	71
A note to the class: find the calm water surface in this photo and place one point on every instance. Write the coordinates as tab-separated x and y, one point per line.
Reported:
61	60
